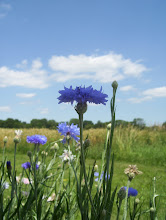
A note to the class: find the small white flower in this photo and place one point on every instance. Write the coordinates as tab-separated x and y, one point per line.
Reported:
51	198
67	156
18	132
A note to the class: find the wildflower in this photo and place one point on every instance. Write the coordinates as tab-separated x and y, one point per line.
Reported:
37	139
18	132
67	156
137	201
5	185
26	181
26	165
132	171
68	131
18	178
51	198
82	95
122	193
131	191
96	167
29	154
5	139
96	174
9	167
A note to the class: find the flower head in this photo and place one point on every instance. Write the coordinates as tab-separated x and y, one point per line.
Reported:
37	139
67	156
131	191
132	171
8	165
5	139
122	192
68	131
25	181
26	165
18	132
82	95
5	185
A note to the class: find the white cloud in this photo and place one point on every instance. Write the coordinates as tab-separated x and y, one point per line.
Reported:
4	9
33	77
156	92
5	109
126	88
105	68
22	65
44	111
150	94
139	99
25	95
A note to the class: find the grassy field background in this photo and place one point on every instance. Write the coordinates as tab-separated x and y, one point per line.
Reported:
146	148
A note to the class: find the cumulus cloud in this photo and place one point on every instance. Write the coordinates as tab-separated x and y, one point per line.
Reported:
22	65
150	94
105	68
34	77
4	9
25	95
5	109
156	92
126	88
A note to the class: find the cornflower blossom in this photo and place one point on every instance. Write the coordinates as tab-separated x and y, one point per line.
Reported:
37	139
67	156
131	191
70	131
27	165
122	192
96	174
82	95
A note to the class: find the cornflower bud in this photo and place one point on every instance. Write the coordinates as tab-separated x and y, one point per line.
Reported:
115	85
5	139
109	126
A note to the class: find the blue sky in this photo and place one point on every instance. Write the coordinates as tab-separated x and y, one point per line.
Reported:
46	45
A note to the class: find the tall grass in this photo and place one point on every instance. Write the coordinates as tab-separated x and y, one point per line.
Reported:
147	146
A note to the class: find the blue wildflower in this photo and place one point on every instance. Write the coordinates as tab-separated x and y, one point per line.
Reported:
131	191
96	174
26	165
68	130
82	95
8	164
37	139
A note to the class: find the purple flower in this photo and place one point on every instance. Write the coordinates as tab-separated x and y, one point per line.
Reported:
8	164
37	139
131	191
68	130
82	95
102	174
26	165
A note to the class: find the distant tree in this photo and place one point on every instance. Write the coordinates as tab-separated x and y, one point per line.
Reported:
139	122
51	124
100	124
74	121
164	125
88	124
122	123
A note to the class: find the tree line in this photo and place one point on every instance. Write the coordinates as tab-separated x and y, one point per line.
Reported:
52	124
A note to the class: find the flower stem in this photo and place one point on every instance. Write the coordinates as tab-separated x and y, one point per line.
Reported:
83	160
126	199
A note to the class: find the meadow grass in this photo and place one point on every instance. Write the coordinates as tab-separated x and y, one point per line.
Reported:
146	148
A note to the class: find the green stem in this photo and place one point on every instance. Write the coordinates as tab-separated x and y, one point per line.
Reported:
83	161
4	152
126	199
119	206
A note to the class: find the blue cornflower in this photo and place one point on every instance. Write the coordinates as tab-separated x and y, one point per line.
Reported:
26	165
37	139
82	95
131	191
8	164
68	130
96	174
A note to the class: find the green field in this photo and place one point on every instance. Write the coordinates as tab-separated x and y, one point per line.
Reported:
145	148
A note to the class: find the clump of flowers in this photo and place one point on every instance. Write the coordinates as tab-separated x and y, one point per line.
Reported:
132	171
69	131
37	139
67	156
